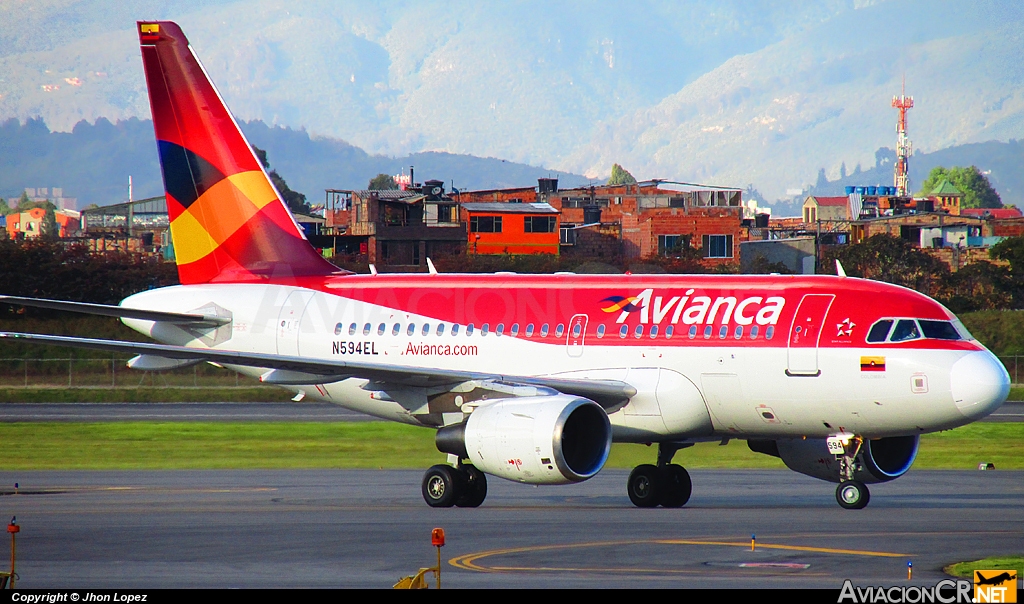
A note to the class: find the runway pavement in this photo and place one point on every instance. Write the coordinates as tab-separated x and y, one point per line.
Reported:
361	528
244	412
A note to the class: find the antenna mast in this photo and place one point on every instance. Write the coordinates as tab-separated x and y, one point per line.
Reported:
903	144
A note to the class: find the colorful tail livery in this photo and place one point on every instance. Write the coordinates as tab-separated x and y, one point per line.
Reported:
228	223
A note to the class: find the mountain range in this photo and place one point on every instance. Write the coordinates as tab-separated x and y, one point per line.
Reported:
726	92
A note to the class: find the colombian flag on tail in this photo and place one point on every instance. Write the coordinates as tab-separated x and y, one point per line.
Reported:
228	223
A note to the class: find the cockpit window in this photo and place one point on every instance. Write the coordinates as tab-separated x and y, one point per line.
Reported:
939	330
879	330
906	329
962	330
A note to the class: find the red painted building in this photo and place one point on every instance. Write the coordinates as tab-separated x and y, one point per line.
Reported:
511	228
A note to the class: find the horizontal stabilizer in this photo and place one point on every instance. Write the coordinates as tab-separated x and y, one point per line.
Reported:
607	393
119	311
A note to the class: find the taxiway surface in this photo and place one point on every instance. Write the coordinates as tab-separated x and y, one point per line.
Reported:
361	528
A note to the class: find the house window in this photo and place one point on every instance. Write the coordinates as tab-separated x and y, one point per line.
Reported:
485	224
717	246
672	245
567	235
539	224
446	213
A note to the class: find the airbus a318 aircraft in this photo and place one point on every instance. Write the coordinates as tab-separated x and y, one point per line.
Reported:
532	377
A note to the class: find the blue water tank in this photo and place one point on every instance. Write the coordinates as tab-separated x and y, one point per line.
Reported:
860	190
849	190
872	190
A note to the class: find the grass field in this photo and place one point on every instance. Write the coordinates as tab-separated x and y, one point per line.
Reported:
221	445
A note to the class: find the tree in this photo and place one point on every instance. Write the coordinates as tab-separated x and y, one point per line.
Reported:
975	186
842	170
620	176
382	182
49	229
886	258
296	201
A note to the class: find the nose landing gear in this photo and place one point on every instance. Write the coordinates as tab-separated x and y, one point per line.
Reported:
851	494
666	484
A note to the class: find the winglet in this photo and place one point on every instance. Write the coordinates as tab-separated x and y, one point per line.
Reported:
839	268
430	267
373	270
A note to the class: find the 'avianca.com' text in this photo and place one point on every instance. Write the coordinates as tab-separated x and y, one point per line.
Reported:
441	350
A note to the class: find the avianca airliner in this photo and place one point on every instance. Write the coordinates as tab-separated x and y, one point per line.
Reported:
531	378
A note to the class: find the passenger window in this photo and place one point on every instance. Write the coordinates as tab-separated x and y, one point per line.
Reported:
600	330
639	331
739	332
906	329
455	329
576	329
352	329
668	332
469	329
707	332
366	329
544	330
337	329
397	328
559	330
939	330
753	332
529	330
426	329
623	331
654	331
485	329
440	329
768	333
411	330
878	331
515	330
693	331
501	329
723	331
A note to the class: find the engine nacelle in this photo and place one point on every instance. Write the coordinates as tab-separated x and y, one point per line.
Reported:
538	440
879	460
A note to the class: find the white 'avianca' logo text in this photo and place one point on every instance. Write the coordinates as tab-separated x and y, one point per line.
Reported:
701	309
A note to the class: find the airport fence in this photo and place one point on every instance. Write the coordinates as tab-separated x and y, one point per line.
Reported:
110	373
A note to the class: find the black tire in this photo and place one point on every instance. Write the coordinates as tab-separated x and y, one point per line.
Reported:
852	495
475	488
676	486
644	486
442	486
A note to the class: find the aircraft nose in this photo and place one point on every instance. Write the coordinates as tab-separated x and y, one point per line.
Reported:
979	383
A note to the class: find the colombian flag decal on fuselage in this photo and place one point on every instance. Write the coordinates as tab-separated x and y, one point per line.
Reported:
872	363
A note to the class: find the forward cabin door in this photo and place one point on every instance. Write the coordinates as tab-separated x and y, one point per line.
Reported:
805	332
577	332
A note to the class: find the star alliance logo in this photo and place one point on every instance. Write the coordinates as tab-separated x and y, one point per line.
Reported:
845	329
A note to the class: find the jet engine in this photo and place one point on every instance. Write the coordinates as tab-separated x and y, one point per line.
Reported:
555	439
879	460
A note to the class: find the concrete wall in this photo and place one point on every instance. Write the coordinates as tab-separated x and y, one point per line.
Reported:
797	253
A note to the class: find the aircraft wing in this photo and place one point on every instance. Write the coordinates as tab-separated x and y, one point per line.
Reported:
118	311
295	370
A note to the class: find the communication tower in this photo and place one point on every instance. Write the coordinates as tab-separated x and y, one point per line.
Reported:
903	144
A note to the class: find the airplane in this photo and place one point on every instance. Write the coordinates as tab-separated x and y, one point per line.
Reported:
531	378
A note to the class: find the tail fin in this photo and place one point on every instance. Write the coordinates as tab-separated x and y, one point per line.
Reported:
228	223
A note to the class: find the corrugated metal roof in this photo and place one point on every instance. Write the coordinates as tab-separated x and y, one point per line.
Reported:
510	208
946	188
831	201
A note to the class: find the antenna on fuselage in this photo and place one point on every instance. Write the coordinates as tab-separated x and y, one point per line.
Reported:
373	270
839	268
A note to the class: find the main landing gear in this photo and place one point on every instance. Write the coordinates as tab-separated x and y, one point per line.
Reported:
666	484
445	486
851	494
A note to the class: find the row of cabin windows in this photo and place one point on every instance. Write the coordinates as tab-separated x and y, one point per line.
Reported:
708	331
531	224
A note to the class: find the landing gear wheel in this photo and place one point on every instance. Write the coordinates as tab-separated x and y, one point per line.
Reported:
474	488
442	486
676	486
852	494
644	486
